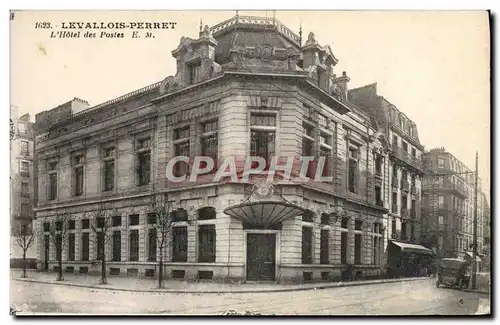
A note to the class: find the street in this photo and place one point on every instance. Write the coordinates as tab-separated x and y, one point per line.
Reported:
403	298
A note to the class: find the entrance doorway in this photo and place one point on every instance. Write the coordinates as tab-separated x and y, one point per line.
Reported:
261	257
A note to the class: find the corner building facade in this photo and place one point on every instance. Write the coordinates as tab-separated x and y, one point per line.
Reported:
245	87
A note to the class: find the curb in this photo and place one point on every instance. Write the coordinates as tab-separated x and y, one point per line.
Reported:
318	287
476	291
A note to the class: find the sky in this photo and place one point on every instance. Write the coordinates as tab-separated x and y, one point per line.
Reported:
434	66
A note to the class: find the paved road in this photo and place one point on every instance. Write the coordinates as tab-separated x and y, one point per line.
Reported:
405	298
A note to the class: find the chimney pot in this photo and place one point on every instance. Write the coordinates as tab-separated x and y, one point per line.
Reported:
344	73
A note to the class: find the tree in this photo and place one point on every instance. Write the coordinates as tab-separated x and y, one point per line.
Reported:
101	223
25	238
160	211
58	234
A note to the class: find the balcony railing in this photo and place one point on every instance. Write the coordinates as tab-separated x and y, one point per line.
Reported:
25	173
379	202
406	157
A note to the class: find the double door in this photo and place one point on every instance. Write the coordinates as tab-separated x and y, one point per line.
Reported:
261	257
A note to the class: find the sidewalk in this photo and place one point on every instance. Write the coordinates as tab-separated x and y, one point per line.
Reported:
174	286
483	284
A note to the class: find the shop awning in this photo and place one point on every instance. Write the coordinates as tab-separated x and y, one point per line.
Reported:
471	254
413	248
264	214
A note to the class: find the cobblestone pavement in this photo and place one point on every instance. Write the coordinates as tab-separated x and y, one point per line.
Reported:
404	298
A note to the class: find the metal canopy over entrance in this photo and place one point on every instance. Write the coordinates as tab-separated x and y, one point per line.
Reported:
264	214
413	248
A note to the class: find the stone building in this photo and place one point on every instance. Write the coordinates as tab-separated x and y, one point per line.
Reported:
22	173
245	87
406	173
22	179
448	205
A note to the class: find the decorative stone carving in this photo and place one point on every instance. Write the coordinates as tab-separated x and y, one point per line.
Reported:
337	92
311	38
206	31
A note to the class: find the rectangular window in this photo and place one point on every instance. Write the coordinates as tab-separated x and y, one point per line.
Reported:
393	227
325	219
209	143
379	164
343	247
403	230
109	175
194	72
344	223
52	186
71	247
441	162
394	140
133	220
134	245
327	154
46	226
440	220
85	224
378	196
353	170
117	246
413	153
262	144
85	246
25	148
179	215
151	218
405	147
100	222
144	167
179	244
25	191
181	168
206	243
308	151
358	225
412	232
100	245
307	242
25	210
152	245
116	221
71	224
25	168
78	175
357	249
324	247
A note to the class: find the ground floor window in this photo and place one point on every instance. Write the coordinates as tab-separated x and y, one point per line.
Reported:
324	247
179	244
206	243
152	245
134	245
71	247
343	247
357	249
307	241
117	246
100	245
85	246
